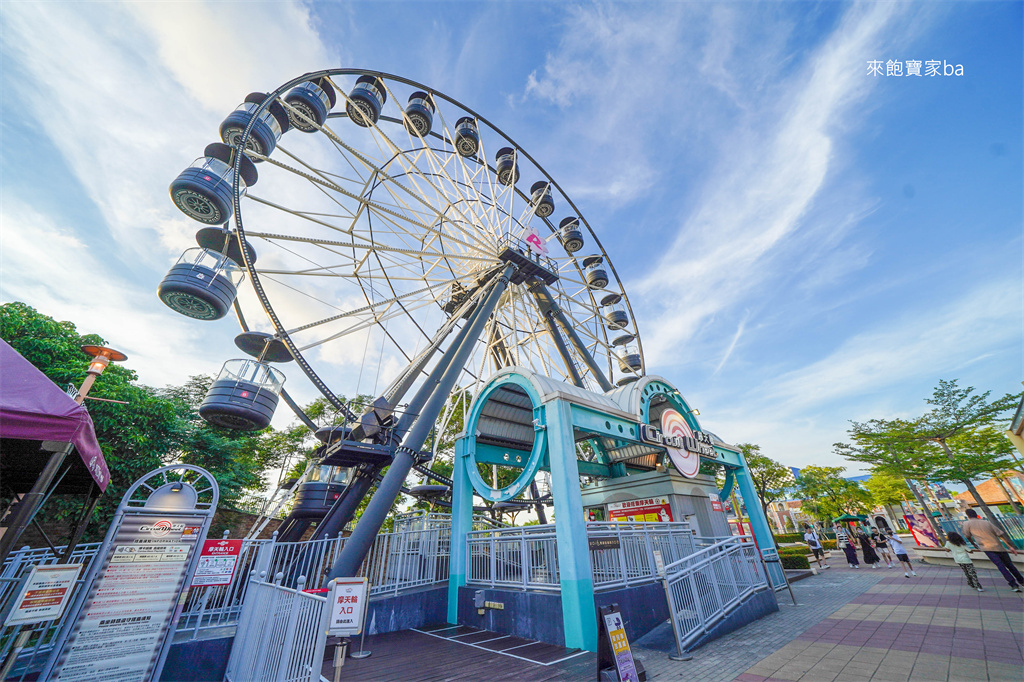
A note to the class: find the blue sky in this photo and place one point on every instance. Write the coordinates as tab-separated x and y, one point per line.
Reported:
803	243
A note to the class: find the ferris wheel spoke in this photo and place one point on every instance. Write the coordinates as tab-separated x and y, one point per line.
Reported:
349	313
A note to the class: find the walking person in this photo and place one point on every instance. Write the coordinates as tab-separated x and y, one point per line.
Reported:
868	548
901	553
882	545
813	541
959	548
990	538
850	550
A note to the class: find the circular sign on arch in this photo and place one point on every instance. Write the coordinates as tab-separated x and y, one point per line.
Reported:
674	426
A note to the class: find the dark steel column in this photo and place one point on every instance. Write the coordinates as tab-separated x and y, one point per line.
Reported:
547	302
359	543
547	313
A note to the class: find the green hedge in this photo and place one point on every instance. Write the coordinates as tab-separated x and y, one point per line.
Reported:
794	561
789	537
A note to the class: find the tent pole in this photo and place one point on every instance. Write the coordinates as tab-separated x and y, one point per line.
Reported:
31	501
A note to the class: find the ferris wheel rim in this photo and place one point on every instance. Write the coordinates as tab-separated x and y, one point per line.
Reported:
264	300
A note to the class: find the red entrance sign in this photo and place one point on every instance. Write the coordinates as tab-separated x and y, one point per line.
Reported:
648	510
217	562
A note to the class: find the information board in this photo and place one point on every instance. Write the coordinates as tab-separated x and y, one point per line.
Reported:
647	510
348	601
44	594
716	502
613	646
217	562
132	602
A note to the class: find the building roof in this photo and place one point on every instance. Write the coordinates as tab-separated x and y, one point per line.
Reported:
991	493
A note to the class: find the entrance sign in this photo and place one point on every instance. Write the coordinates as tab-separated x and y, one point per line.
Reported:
647	510
347	604
120	626
613	647
44	594
217	562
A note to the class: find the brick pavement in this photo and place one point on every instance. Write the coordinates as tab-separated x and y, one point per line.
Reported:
871	624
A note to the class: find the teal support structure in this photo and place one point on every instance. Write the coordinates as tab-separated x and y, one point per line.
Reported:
758	522
462	524
579	616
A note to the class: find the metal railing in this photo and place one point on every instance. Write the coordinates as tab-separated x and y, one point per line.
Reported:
773	566
525	557
281	635
40	641
405	560
704	587
1012	523
632	562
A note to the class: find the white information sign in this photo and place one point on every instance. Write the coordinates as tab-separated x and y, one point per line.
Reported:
348	602
44	595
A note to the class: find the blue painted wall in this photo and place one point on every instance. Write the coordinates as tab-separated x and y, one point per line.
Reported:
643	607
408	610
202	660
531	615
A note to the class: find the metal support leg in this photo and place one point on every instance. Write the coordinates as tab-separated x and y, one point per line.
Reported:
366	530
32	501
547	301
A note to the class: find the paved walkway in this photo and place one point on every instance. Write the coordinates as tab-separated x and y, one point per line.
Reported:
870	624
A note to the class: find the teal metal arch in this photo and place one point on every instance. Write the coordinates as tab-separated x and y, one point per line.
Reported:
533	462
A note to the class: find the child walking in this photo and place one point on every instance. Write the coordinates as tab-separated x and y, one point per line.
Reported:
901	553
957	546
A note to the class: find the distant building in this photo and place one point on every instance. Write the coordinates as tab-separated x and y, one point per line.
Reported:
993	493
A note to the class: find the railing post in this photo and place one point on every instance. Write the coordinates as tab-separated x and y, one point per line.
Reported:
289	635
525	561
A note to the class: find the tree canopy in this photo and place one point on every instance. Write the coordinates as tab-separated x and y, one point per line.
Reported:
826	494
770	479
156	427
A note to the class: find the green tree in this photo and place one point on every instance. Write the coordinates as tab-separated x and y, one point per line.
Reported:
887	491
956	423
893	448
770	479
154	427
826	494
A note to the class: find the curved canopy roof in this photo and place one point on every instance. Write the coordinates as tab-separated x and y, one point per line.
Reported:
33	409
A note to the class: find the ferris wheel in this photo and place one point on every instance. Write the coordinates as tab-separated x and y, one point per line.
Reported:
377	205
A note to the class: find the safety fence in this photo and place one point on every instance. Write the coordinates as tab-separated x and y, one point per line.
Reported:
281	635
706	586
398	561
622	554
40	641
1013	524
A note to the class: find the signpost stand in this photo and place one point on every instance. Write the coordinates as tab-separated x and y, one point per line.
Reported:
615	662
121	622
348	613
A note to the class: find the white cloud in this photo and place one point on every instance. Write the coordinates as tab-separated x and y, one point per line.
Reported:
761	193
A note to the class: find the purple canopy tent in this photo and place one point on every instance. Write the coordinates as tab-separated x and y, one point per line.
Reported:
38	419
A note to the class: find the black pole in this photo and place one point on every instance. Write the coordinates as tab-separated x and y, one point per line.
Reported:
342	511
547	303
359	543
32	501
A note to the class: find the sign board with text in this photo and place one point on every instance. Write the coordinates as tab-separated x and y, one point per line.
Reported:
217	562
347	604
613	650
44	594
648	510
120	624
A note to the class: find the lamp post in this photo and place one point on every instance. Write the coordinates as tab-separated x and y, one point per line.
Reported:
30	503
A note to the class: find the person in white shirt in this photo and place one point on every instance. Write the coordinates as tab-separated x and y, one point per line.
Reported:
814	542
901	553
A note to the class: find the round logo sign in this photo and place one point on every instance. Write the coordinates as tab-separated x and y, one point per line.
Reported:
673	424
161	528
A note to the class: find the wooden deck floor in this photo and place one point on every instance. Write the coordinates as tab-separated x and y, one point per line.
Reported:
461	654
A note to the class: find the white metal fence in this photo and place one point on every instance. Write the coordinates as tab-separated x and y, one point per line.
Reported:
1012	523
281	636
632	562
526	557
704	587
